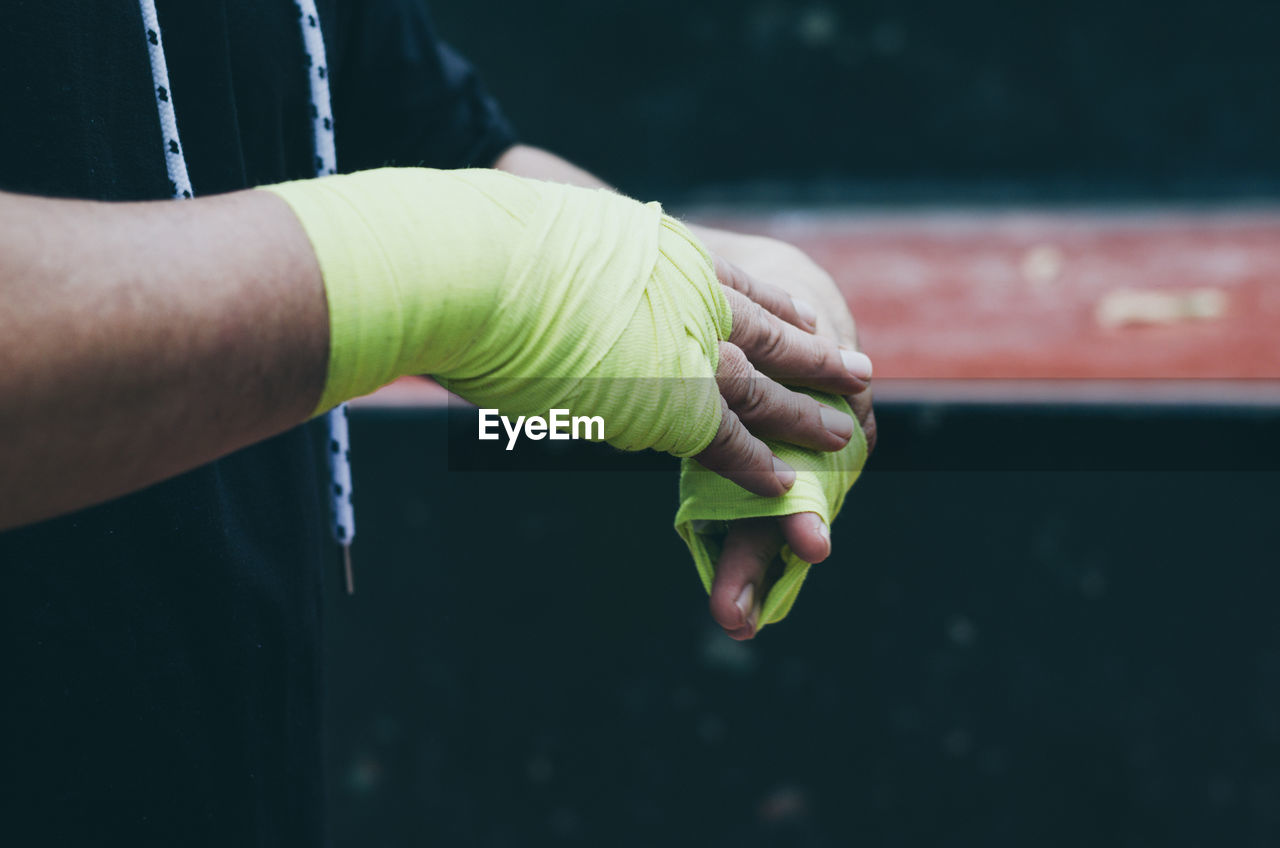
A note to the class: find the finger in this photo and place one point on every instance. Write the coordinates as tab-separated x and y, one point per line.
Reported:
807	534
866	415
788	355
771	411
737	455
792	310
737	593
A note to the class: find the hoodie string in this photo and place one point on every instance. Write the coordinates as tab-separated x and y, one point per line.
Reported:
325	162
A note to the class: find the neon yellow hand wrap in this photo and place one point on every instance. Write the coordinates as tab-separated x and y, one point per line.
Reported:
708	501
520	295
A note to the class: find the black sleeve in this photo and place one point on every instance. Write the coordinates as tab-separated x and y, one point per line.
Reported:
403	97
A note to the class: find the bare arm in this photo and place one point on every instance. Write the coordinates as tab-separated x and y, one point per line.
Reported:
141	340
538	164
138	341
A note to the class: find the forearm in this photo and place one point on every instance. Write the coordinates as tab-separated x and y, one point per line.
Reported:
538	164
142	340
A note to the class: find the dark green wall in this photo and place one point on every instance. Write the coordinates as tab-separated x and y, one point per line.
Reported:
1004	651
893	99
1043	657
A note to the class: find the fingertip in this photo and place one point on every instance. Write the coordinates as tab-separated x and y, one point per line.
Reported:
864	411
731	608
766	484
808	536
837	423
824	533
856	386
750	546
807	315
785	473
857	363
746	599
750	629
726	617
762	483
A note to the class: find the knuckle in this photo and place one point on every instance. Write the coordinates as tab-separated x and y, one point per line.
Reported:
722	443
808	413
733	362
741	307
747	316
779	300
731	276
733	373
772	338
755	402
824	358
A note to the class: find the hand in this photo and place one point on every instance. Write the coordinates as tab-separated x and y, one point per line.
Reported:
773	341
768	273
750	564
750	553
784	275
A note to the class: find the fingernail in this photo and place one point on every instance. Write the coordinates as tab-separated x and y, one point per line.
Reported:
836	422
824	531
806	313
753	619
745	599
785	473
858	364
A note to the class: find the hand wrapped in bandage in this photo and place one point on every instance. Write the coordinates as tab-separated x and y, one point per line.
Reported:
753	553
526	295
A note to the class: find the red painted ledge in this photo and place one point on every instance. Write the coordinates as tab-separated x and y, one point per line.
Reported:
1153	306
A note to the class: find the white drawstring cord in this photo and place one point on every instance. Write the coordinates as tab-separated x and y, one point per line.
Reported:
174	159
326	162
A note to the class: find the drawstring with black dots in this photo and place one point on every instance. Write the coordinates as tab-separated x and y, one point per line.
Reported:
325	162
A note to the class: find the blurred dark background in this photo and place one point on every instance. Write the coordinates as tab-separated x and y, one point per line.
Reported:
1040	628
803	101
1022	657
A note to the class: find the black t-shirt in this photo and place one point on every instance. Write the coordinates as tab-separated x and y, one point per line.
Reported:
161	667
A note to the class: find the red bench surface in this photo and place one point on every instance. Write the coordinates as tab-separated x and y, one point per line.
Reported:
1018	305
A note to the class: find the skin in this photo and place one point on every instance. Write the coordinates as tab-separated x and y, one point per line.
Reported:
782	280
751	547
142	340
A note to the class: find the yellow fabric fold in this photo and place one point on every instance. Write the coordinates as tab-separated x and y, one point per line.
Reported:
527	296
520	295
709	502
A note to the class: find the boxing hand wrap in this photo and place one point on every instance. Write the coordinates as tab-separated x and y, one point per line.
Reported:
520	295
708	502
